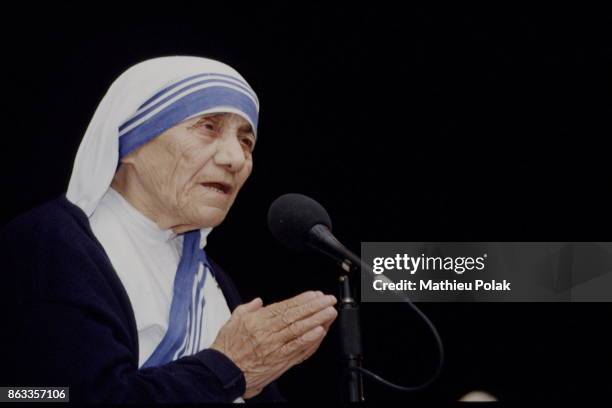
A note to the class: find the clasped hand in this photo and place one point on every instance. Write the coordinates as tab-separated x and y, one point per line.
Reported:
264	342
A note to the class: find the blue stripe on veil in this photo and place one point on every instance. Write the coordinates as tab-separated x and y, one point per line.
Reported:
176	335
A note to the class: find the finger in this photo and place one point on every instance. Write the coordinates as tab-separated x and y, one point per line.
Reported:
285	359
301	327
294	314
308	352
276	309
327	325
293	350
252	306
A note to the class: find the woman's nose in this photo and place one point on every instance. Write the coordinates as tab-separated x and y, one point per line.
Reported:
230	154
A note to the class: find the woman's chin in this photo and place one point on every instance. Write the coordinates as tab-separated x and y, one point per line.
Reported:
210	217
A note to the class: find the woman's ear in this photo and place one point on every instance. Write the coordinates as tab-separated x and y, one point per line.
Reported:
120	178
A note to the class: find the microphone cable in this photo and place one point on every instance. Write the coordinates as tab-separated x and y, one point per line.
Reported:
434	331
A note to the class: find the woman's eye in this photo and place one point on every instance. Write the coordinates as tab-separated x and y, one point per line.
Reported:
209	126
247	142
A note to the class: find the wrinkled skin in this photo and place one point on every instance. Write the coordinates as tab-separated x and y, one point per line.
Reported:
188	178
169	178
267	341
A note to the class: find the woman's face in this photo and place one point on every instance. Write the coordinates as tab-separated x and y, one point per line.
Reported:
188	177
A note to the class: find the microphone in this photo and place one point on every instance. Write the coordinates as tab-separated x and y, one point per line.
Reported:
302	224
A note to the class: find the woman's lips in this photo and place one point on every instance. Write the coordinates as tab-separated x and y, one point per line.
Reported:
217	187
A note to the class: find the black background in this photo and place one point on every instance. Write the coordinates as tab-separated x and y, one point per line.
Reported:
407	125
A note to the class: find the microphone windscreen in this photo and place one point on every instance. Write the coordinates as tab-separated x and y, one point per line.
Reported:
291	216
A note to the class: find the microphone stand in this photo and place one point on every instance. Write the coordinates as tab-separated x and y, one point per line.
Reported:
320	238
348	310
350	339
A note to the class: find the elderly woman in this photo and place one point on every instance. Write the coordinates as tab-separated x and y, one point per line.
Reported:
108	288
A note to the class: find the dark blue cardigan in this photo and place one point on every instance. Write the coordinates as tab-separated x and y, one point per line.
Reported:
69	321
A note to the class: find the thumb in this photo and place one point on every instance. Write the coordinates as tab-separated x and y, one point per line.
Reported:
252	306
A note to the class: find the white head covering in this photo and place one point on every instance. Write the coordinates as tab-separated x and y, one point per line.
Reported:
142	103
